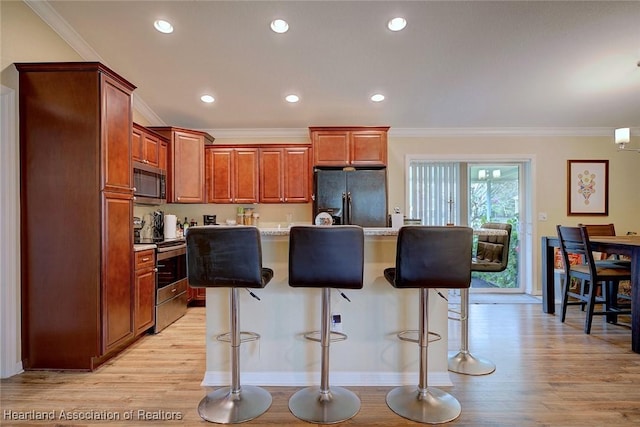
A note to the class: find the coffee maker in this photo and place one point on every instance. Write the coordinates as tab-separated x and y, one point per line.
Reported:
209	220
137	226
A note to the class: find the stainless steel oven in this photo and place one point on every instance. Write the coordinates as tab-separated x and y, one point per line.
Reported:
171	282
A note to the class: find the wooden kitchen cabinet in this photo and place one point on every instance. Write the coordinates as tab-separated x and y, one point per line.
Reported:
185	164
349	146
285	174
76	210
231	174
145	290
162	155
146	146
197	296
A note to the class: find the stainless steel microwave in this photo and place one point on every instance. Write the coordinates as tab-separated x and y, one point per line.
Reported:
149	184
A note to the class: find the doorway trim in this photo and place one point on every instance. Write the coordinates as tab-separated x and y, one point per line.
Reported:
9	236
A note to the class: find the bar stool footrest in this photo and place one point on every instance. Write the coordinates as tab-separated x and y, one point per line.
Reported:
244	336
404	336
335	336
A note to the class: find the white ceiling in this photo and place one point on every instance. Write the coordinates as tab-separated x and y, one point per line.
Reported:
458	64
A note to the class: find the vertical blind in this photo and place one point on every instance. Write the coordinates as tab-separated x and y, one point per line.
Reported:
434	191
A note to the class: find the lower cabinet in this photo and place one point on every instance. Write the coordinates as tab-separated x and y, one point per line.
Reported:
145	290
197	296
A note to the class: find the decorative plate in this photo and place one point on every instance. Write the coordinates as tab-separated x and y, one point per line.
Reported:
324	218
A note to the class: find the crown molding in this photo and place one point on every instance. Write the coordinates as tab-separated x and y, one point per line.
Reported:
259	133
424	132
146	111
506	131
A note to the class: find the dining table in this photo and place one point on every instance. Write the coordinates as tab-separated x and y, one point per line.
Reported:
622	245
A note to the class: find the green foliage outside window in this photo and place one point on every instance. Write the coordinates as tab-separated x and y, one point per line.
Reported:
497	202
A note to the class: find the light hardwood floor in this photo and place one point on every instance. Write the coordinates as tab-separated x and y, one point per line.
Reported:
548	374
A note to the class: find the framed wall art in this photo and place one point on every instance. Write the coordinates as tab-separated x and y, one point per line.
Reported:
588	187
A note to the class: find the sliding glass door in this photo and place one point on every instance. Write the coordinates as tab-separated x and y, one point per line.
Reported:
472	193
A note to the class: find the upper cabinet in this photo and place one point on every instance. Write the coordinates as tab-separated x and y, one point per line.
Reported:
349	146
146	146
285	174
185	164
232	174
263	173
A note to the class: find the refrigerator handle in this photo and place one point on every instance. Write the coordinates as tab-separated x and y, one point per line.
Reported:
344	208
349	205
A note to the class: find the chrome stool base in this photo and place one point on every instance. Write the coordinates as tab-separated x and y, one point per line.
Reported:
224	407
337	405
431	406
466	363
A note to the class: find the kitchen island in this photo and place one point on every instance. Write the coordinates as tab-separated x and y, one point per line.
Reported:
371	356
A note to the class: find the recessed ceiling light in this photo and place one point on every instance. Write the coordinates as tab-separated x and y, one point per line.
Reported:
292	98
207	98
163	26
377	97
279	26
397	24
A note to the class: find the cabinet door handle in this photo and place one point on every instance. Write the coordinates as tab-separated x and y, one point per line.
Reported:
155	270
173	290
146	259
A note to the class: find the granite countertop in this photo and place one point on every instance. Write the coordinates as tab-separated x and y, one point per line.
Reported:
379	231
368	231
143	246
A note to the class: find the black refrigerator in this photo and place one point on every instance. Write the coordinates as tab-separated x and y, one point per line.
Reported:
352	196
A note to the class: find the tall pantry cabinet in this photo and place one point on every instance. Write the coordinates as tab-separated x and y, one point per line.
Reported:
76	214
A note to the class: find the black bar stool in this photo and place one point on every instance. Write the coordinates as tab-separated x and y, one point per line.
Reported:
492	255
229	257
429	257
325	257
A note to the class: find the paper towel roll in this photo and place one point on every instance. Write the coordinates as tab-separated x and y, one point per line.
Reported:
397	220
170	226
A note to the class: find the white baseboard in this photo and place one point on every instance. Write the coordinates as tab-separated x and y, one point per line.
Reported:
303	379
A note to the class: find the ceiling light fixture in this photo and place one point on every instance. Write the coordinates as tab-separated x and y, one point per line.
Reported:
397	24
163	26
292	98
279	26
377	97
207	98
622	138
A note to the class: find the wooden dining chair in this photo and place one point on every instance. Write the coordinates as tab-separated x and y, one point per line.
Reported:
601	230
617	298
594	283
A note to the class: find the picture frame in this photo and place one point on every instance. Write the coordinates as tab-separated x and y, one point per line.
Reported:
587	187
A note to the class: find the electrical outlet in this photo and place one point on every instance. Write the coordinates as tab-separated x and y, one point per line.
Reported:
336	322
